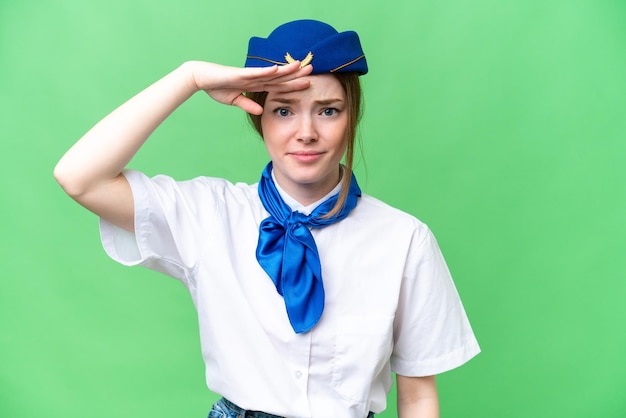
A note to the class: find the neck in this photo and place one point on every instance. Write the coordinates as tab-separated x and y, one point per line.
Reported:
307	194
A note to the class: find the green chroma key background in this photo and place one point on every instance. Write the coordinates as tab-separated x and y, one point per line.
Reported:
499	123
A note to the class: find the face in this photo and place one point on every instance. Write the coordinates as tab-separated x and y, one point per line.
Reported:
305	136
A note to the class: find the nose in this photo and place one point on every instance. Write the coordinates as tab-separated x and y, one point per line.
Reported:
306	130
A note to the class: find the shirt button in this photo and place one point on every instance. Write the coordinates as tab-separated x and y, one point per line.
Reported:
298	374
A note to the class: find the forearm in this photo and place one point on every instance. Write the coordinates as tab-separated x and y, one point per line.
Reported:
90	172
424	408
103	152
417	397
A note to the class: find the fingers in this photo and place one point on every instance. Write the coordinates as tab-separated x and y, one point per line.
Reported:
287	86
292	72
282	79
271	79
273	72
276	74
247	105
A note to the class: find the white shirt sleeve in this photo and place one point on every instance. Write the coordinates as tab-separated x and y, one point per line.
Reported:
168	237
431	331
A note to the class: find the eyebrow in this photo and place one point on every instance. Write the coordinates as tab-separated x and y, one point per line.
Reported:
324	102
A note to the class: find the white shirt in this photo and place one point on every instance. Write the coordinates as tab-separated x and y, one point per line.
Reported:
390	302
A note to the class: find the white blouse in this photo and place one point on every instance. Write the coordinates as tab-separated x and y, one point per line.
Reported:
390	302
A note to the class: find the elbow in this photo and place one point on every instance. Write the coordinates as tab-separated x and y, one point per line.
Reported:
69	180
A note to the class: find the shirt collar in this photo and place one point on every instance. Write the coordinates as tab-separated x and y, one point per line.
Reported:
297	206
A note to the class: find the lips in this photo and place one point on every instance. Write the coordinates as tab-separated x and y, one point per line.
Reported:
306	156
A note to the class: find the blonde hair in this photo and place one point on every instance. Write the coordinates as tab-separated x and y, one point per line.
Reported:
352	88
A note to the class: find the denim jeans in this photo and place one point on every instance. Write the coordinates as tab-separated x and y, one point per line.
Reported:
226	409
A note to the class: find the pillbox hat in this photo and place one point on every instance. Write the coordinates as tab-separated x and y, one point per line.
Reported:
312	42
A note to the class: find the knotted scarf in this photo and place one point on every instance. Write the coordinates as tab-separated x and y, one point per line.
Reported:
287	252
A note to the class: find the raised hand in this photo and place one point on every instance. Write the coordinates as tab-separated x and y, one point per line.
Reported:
227	84
90	171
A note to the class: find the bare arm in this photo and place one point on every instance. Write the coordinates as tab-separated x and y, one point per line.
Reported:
90	172
417	397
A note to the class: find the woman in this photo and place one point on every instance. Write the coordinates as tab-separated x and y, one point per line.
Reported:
309	293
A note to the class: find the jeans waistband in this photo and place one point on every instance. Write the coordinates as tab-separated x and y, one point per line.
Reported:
247	414
242	413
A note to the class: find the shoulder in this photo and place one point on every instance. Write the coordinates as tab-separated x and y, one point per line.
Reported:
378	212
198	190
201	183
384	223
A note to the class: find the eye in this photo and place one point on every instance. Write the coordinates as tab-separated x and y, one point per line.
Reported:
330	111
282	112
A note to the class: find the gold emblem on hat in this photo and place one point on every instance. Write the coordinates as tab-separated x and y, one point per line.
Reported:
305	61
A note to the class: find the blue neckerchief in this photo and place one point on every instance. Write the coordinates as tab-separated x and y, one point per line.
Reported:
287	252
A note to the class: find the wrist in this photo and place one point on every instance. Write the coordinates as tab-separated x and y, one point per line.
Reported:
187	72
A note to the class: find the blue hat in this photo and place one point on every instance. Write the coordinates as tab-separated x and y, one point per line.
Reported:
310	42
